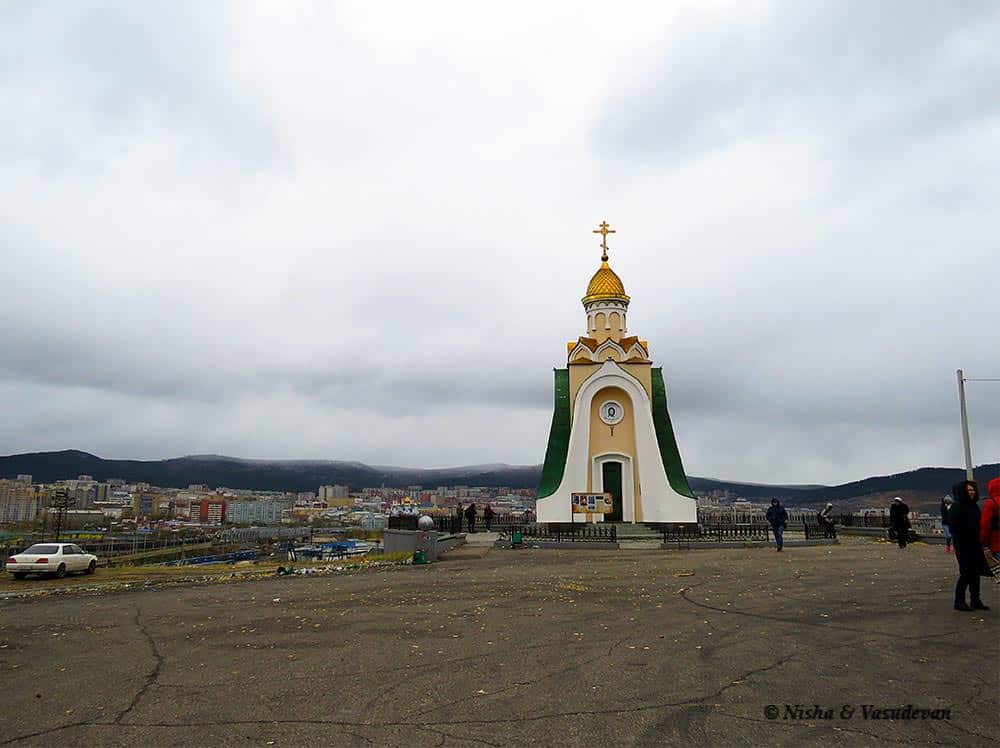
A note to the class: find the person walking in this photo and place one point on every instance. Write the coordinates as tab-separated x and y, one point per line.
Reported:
964	518
488	517
899	521
946	503
825	519
777	516
470	517
989	521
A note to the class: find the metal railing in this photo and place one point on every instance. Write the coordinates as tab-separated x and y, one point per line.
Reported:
564	533
817	531
716	533
864	520
453	524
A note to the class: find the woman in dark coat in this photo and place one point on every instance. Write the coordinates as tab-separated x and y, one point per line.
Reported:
470	516
963	518
899	520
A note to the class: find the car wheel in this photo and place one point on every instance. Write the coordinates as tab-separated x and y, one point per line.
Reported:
61	571
92	568
19	574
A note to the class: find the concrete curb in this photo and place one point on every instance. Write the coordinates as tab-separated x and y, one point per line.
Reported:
878	532
555	545
710	545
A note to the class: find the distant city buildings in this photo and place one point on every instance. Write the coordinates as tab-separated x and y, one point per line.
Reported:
20	502
333	492
94	503
256	511
212	511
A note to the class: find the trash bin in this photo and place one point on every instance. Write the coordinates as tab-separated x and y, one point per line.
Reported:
516	539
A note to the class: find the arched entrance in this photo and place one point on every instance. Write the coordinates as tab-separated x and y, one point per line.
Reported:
613	474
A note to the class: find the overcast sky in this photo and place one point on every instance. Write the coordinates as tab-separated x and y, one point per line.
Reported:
362	230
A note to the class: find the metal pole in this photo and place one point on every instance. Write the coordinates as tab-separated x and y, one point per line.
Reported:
965	426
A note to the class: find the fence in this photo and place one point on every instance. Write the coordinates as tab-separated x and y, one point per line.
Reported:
565	533
453	524
814	531
865	520
716	533
868	518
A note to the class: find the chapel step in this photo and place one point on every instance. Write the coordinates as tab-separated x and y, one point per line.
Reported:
631	531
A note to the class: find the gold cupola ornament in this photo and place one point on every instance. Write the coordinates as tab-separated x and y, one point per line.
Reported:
605	285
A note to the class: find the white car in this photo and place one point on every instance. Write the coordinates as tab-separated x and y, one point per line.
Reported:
51	558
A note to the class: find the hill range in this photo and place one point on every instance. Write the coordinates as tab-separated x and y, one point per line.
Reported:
921	488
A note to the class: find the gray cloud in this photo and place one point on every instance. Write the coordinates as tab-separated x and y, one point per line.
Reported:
90	79
361	235
871	79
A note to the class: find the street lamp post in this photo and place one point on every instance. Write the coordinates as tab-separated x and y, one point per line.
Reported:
962	379
965	425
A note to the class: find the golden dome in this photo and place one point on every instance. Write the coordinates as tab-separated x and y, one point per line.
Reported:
605	285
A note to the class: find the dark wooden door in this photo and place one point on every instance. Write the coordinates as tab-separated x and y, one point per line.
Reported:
612	472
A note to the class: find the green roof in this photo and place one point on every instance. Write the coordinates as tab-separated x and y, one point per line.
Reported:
669	454
555	454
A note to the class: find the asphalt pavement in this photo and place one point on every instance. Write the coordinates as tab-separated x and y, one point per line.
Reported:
493	647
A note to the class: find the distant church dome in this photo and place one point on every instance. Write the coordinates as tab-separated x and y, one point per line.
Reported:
605	285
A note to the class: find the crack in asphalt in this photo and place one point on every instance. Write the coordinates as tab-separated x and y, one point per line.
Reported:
493	721
46	731
150	682
445	735
799	622
434	726
518	684
151	678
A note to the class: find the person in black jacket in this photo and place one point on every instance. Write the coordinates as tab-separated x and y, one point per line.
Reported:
899	520
963	519
777	517
470	516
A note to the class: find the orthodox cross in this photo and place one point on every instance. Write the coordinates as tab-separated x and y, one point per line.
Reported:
604	229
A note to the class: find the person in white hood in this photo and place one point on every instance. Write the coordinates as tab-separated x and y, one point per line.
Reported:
946	504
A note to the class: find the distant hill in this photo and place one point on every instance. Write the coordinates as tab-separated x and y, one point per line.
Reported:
261	475
922	488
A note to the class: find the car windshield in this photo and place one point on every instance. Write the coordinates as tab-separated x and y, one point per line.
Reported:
40	550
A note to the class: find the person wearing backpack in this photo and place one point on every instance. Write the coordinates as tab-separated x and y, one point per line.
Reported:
777	517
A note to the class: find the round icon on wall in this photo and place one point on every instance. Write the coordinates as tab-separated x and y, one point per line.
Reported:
612	412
